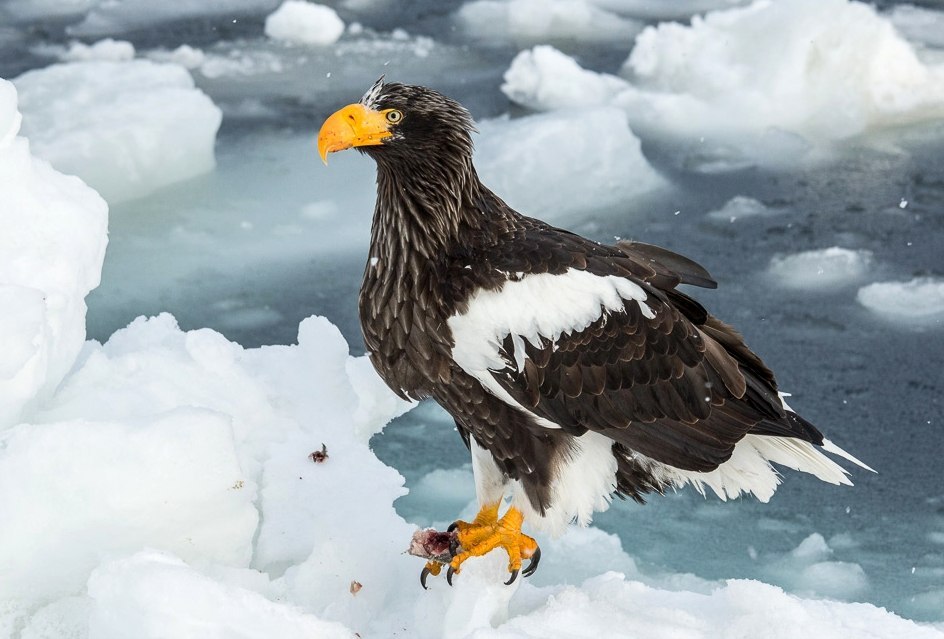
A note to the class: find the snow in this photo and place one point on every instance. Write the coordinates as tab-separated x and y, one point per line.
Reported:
820	269
770	79
611	606
537	162
122	597
301	22
526	22
127	128
920	300
160	483
51	253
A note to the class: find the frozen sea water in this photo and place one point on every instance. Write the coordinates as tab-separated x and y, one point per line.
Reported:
270	237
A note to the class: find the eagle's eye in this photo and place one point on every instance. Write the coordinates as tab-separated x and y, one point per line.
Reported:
394	116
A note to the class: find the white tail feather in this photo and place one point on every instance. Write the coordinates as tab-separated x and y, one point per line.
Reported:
749	469
832	448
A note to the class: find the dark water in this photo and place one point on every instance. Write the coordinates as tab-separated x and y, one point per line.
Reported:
873	386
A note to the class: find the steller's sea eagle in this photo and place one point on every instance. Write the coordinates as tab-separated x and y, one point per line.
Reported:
574	370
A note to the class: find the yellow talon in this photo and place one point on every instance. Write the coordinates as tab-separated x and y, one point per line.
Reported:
487	532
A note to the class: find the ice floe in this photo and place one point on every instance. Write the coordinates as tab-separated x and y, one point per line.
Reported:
821	268
538	163
543	78
919	300
51	252
104	17
826	69
739	207
301	22
660	10
107	49
526	22
769	78
126	128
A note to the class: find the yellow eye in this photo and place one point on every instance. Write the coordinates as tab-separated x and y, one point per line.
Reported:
394	116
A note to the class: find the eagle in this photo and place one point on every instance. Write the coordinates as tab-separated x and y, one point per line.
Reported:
575	371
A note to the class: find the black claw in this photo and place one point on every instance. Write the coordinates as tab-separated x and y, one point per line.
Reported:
449	574
511	580
423	576
533	564
452	526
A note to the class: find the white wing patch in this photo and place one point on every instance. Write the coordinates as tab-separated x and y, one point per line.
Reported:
533	307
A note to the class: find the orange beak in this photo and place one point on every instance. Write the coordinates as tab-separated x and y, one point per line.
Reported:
353	125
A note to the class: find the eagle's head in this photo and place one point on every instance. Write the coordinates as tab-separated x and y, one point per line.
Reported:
400	123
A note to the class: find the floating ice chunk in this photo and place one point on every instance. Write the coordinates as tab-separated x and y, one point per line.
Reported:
184	55
661	10
126	128
810	568
107	49
544	78
821	71
533	21
107	18
51	252
739	207
919	300
539	163
29	10
820	269
303	22
826	69
812	548
242	63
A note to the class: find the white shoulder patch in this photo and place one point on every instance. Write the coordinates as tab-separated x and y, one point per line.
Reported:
536	306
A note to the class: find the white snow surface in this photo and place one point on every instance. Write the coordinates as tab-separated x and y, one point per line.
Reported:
127	128
160	484
820	269
787	74
920	300
303	22
538	163
51	252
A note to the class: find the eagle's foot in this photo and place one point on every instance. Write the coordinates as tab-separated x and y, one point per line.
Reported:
486	533
464	540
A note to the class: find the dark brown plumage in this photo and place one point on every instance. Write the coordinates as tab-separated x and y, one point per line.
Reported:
673	389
